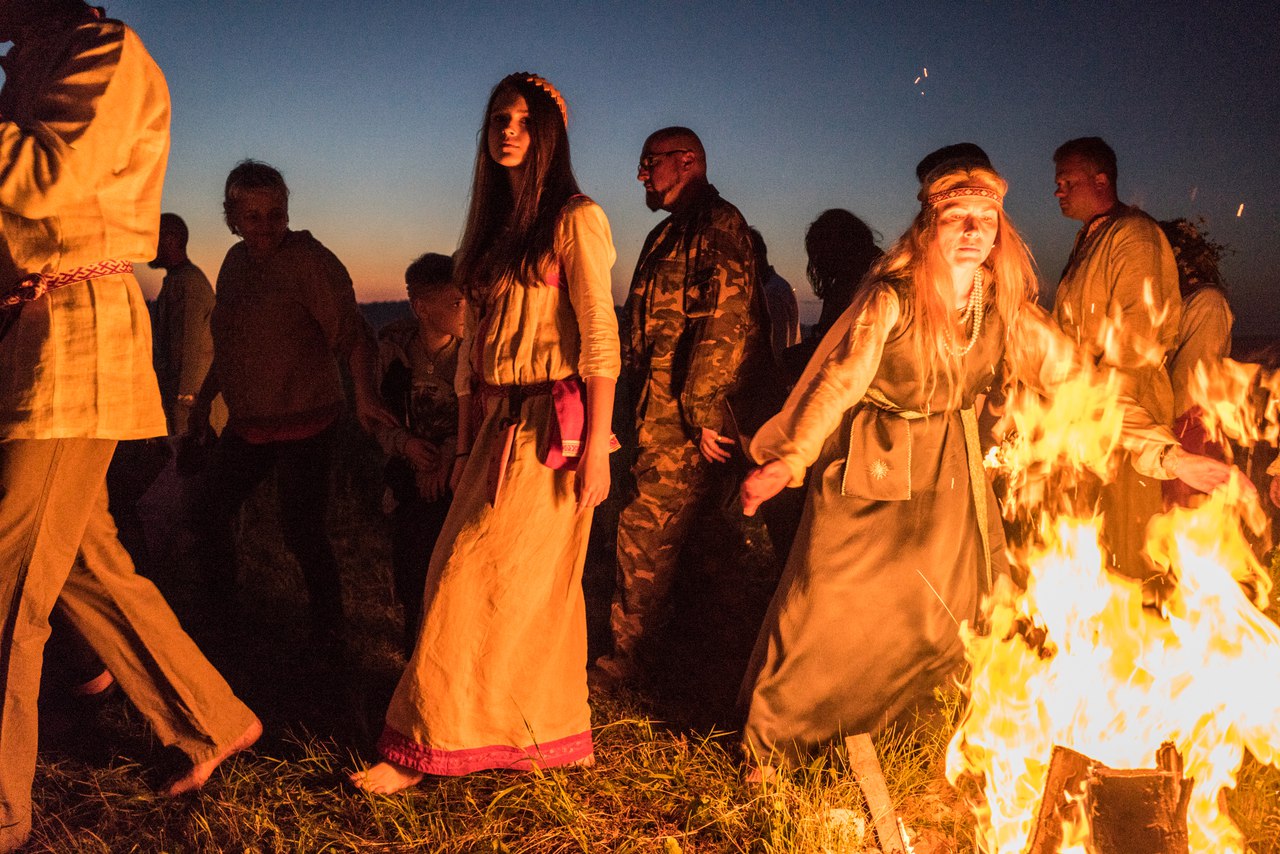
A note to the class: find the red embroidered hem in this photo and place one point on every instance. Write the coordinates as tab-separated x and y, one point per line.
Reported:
455	763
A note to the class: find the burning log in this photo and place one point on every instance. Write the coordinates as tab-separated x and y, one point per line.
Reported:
1122	811
866	768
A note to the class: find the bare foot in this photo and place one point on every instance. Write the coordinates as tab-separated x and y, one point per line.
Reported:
385	778
759	775
196	777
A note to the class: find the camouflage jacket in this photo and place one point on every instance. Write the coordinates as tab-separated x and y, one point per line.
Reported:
688	317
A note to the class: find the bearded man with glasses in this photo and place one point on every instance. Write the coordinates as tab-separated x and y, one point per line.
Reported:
688	328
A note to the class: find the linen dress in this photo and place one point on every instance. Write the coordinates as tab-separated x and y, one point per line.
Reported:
889	555
498	676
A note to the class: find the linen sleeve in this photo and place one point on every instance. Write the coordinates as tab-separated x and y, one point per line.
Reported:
42	167
1205	337
1144	303
587	255
835	379
462	377
718	301
332	302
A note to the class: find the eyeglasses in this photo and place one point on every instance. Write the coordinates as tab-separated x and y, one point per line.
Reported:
647	162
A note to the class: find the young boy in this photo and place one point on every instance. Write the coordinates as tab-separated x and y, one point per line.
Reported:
418	356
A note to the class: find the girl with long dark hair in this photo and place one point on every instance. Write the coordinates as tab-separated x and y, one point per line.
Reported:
498	676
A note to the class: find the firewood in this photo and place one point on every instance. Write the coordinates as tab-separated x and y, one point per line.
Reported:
870	776
1129	811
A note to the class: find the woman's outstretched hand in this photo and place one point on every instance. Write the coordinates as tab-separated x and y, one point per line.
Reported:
763	483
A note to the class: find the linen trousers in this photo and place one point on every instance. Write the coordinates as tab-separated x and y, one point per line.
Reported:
53	506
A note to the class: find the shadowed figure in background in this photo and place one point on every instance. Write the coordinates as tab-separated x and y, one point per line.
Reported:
417	363
497	678
898	539
841	249
1118	299
688	329
182	343
779	300
84	140
284	316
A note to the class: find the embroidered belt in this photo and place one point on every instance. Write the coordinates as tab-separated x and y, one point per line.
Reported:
38	284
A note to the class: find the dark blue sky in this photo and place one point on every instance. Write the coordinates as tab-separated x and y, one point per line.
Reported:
371	110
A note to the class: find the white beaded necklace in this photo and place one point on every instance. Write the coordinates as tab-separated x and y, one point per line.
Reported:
974	311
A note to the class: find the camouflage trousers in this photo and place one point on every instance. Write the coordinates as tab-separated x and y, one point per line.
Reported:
673	482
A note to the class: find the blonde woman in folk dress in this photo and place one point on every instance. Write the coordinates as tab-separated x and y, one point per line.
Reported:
900	531
498	677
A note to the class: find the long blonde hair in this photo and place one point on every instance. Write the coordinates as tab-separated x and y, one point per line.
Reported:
915	262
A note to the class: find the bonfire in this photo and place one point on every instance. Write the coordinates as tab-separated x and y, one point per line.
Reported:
1085	662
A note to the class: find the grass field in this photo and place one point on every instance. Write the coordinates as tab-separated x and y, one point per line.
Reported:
666	778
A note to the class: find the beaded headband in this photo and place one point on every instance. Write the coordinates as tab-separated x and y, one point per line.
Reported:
545	86
958	192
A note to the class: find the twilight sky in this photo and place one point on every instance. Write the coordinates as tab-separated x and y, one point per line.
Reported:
371	110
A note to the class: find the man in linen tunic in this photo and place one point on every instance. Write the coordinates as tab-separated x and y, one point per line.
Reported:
1118	298
84	136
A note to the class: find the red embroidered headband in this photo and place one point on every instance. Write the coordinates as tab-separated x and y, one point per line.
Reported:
959	192
545	86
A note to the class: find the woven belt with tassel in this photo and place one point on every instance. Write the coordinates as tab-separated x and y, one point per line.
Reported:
38	284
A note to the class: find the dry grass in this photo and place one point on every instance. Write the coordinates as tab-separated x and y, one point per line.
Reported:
657	787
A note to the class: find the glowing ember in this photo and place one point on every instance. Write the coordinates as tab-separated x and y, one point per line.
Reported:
1240	210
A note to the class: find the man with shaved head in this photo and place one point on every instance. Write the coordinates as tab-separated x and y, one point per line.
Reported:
688	323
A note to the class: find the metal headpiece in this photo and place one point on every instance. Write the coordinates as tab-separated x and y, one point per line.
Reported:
545	85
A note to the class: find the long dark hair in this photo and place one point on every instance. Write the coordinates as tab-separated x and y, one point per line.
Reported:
841	248
508	237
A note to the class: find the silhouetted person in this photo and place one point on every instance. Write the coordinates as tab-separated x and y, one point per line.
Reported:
779	300
182	344
84	137
285	315
841	249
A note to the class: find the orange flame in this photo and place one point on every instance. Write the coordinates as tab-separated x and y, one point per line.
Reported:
1079	658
